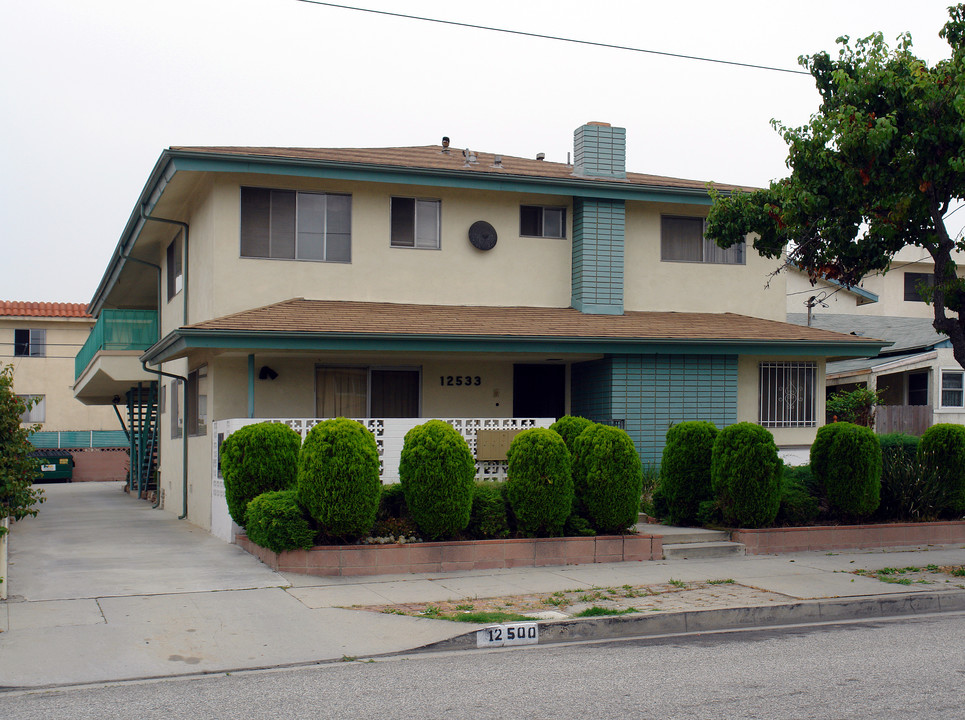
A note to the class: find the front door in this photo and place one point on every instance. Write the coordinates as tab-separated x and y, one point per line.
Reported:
539	391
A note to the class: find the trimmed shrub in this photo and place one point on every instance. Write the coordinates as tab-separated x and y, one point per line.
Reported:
907	444
569	428
437	472
488	518
338	477
820	453
539	488
852	475
276	521
798	506
392	502
256	459
685	469
941	455
746	475
607	478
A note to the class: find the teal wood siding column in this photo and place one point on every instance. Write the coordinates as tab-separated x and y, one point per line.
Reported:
599	228
651	392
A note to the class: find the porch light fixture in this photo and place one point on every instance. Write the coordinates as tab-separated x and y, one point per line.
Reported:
266	373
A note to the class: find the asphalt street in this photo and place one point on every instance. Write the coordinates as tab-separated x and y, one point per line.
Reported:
908	668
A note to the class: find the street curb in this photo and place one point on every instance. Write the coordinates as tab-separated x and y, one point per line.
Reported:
693	621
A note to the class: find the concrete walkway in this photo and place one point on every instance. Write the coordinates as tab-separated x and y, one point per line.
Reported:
104	588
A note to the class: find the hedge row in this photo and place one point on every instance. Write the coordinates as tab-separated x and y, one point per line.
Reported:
577	477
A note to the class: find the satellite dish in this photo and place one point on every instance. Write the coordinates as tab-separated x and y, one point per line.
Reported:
482	235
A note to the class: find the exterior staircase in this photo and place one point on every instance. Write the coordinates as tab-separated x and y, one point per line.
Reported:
692	543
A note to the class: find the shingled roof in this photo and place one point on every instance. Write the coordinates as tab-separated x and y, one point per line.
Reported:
15	308
434	157
402	320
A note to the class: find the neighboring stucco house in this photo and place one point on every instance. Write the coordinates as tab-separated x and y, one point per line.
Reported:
919	379
40	340
432	281
895	293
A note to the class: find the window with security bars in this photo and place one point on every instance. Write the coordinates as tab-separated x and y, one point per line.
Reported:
788	394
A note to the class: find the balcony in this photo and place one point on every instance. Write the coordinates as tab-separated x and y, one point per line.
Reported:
107	365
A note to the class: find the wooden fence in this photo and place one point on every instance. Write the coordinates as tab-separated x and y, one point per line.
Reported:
908	419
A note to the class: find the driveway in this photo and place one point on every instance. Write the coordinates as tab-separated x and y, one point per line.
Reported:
94	540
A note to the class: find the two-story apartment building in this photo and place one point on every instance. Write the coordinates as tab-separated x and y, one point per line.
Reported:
433	281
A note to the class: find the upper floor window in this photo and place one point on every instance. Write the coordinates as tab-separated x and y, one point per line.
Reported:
415	223
537	221
289	225
914	283
682	240
36	410
30	343
953	388
174	266
788	394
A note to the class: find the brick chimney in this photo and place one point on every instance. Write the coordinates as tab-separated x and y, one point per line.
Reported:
600	150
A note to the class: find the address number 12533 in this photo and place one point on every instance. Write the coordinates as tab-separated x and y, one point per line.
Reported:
459	380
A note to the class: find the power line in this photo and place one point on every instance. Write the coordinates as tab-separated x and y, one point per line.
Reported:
554	37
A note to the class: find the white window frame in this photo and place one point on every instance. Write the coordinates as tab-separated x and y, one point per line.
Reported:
960	389
710	252
542	220
419	226
796	407
36	414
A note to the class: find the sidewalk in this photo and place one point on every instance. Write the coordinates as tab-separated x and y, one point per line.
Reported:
104	588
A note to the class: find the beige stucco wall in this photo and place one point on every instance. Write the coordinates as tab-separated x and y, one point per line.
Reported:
748	398
651	284
518	271
53	375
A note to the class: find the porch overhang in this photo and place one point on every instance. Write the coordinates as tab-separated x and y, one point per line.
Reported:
184	341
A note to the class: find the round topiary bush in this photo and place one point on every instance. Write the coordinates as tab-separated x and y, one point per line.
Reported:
256	459
569	428
852	475
941	456
820	449
685	470
338	477
276	521
539	487
607	478
437	472
746	475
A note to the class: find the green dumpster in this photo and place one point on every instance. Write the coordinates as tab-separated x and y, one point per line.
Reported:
54	465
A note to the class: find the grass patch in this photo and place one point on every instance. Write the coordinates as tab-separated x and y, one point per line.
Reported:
487	618
728	581
597	611
677	583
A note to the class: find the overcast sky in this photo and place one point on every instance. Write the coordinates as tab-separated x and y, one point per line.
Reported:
93	91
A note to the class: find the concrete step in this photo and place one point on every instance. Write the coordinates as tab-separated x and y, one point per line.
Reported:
701	550
672	534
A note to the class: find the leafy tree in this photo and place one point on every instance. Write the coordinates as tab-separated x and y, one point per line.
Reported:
17	469
876	168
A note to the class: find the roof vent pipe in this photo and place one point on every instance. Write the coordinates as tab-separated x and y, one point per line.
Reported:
540	156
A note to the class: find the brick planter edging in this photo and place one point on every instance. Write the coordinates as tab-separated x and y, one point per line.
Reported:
849	537
461	555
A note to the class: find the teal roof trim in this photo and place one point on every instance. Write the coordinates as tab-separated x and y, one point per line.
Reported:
181	342
434	177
